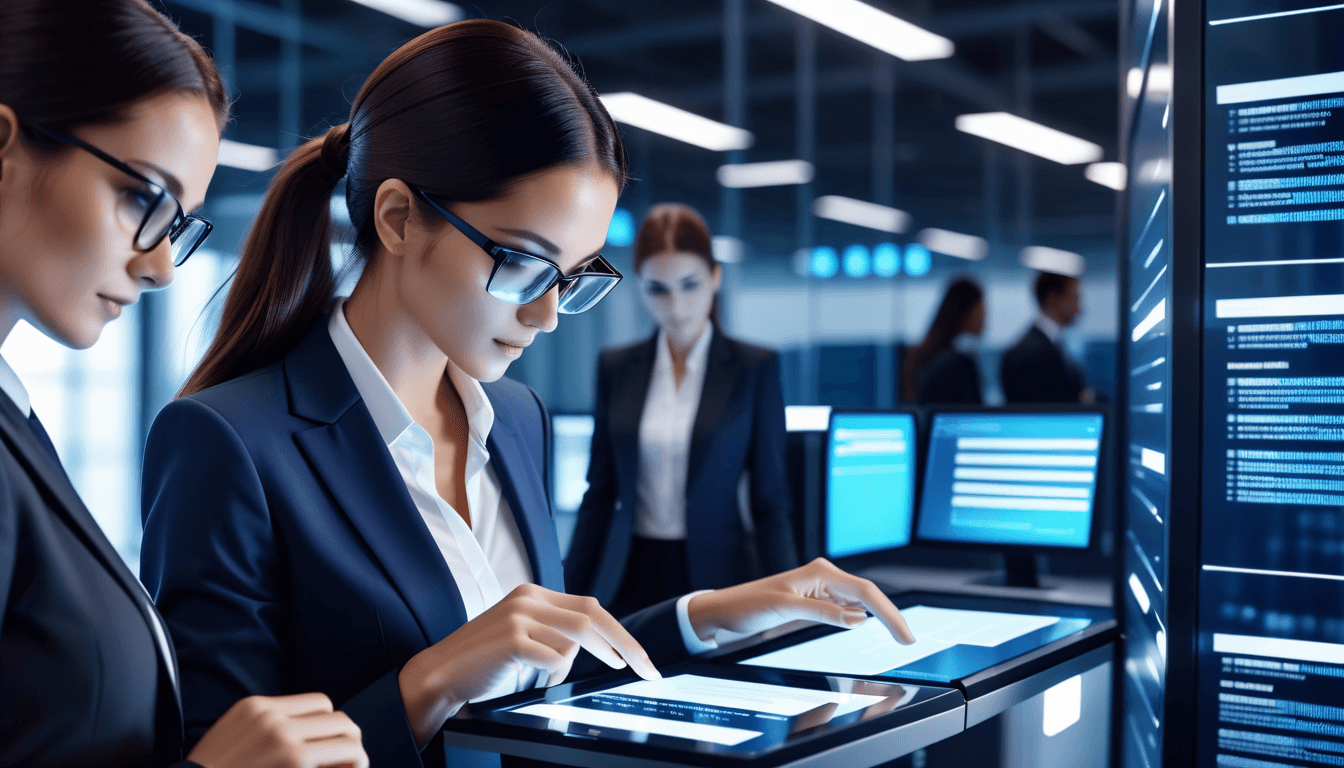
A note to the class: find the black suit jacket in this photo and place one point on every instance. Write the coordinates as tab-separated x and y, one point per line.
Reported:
1036	370
739	427
949	377
83	680
285	551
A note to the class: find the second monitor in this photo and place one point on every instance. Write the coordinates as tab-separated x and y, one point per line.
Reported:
870	482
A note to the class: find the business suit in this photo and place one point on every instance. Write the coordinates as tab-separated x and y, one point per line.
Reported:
1036	370
739	426
285	551
949	377
85	678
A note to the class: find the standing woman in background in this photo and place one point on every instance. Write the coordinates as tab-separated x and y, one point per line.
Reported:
684	420
110	120
942	368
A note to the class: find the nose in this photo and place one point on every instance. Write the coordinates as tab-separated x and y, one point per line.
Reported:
544	313
153	269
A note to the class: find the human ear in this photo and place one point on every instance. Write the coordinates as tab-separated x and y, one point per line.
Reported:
9	134
392	214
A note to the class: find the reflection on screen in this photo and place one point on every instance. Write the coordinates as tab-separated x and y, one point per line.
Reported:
1011	478
870	489
572	437
726	712
949	644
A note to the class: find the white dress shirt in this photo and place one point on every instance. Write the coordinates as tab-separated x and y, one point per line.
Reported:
665	440
487	559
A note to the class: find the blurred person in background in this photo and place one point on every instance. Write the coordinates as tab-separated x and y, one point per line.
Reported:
110	123
686	485
1037	369
942	368
349	495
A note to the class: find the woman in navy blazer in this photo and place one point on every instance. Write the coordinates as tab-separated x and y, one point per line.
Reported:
663	511
110	121
347	493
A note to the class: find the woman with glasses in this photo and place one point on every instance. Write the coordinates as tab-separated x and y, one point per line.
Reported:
106	127
686	486
349	496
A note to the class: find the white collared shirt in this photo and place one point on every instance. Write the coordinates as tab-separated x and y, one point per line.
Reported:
488	559
14	389
1049	327
665	440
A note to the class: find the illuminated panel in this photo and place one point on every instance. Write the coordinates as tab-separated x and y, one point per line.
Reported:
1271	582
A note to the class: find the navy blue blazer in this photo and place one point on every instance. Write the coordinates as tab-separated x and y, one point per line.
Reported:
285	552
1036	370
739	427
83	681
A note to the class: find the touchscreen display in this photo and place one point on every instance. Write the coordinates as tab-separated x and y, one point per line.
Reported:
950	644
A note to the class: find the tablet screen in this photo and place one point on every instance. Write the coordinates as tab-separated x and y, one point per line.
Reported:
711	710
951	643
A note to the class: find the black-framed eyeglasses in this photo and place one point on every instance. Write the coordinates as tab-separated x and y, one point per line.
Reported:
162	213
520	277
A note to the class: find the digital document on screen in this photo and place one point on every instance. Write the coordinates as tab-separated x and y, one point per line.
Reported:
1011	478
870	488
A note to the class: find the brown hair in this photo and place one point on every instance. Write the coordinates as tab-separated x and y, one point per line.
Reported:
674	227
962	296
462	113
71	63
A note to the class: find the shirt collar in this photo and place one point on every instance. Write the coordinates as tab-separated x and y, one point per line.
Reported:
14	389
1049	327
387	410
695	359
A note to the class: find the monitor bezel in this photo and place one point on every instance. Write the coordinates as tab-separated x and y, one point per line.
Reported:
877	556
1103	481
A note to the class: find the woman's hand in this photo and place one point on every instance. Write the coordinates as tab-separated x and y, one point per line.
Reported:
281	732
531	627
817	591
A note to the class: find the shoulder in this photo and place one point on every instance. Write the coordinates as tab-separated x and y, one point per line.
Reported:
621	353
750	356
256	399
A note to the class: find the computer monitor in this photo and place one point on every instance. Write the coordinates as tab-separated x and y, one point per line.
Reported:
871	466
571	441
1019	480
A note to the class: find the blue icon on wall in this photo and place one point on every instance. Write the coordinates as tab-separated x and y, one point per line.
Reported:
621	231
886	260
825	261
918	260
856	262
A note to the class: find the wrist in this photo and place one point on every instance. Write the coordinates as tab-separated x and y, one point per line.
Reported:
426	695
703	611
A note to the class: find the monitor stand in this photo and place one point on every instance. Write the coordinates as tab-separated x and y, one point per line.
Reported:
1019	570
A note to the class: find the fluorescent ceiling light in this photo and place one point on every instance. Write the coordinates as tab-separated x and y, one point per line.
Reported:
1043	259
861	213
1107	174
424	13
774	174
726	249
1028	136
879	29
954	243
249	157
657	117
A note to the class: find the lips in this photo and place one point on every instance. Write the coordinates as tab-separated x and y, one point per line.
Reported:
115	300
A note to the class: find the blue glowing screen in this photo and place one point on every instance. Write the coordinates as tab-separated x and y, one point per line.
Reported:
870	486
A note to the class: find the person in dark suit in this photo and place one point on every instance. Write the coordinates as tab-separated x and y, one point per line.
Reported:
684	421
110	120
942	368
1037	369
349	496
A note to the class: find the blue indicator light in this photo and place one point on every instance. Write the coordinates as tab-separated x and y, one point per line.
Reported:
856	261
918	260
886	260
621	231
825	261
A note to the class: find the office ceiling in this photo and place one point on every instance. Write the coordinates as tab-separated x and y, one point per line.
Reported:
1052	60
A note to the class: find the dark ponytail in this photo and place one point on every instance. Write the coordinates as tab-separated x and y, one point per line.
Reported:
71	63
461	112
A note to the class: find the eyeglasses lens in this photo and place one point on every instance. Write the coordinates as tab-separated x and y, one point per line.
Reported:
521	279
188	238
158	221
585	292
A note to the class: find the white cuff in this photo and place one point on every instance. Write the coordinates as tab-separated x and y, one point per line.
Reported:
694	645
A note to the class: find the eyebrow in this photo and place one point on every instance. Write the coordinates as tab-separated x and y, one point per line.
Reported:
551	249
169	180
